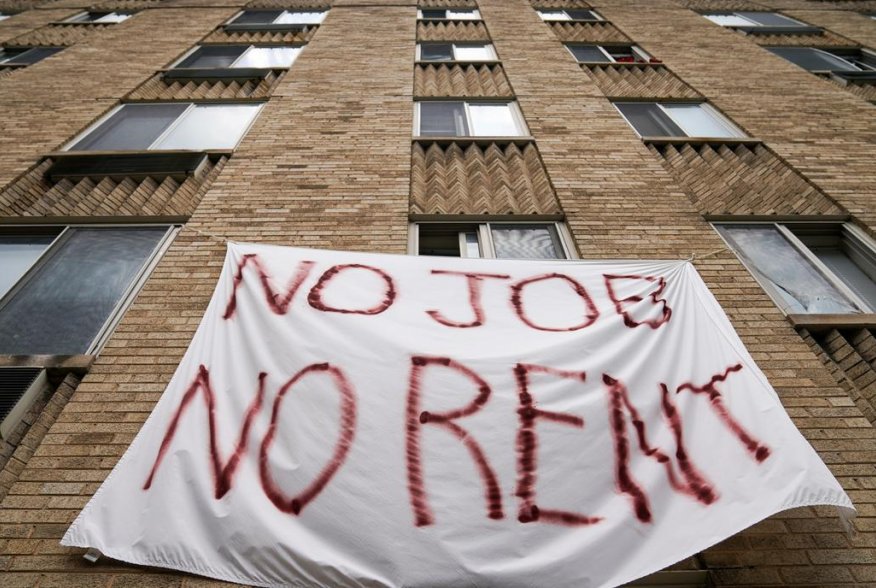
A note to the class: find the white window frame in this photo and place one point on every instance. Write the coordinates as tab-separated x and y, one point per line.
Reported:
755	23
736	131
72	19
485	235
635	49
191	106
246	49
118	311
283	11
454	45
541	15
516	115
853	233
475	14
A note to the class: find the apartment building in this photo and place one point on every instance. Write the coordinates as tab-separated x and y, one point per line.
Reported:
138	136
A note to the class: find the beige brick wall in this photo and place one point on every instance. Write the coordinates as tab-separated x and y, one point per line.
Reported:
328	164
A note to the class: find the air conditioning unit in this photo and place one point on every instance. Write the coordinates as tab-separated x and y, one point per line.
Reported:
19	387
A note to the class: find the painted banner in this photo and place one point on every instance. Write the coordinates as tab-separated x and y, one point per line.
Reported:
350	419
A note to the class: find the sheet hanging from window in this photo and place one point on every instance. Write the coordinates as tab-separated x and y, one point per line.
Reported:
351	419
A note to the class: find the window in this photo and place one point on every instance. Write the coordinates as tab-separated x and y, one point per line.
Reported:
449	118
753	19
169	125
824	61
504	240
64	288
278	17
815	268
4	16
559	15
680	119
455	52
236	56
100	17
26	55
456	14
608	54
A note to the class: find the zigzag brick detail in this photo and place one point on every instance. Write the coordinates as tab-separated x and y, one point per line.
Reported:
588	32
461	80
459	30
825	38
478	179
447	4
57	35
638	81
127	4
14	6
853	352
160	88
865	90
741	179
34	195
300	36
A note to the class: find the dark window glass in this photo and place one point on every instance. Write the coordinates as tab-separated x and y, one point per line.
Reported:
434	14
581	15
436	52
813	59
257	17
134	127
209	56
649	120
444	239
588	53
27	56
65	303
443	118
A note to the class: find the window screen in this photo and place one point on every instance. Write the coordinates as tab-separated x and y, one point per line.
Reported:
27	56
436	51
526	242
218	126
258	17
473	53
589	54
813	59
698	121
212	56
649	120
263	57
729	20
792	277
493	120
64	304
291	17
443	118
17	254
132	127
770	19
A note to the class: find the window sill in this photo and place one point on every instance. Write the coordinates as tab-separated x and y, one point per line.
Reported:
623	64
490	62
223	73
446	139
846	77
76	165
826	322
779	30
577	21
453	20
245	27
701	140
56	365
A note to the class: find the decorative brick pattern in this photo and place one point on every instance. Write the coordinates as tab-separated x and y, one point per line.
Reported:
284	37
291	4
30	20
15	6
458	30
823	39
34	195
741	179
58	35
570	4
619	80
852	352
484	80
862	88
587	32
472	178
160	88
127	5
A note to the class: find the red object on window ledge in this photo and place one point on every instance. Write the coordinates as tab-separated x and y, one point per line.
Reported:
655	60
625	60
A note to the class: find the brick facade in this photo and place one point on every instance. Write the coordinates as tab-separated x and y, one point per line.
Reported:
330	163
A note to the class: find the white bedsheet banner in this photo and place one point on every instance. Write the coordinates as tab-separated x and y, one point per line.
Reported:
349	419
